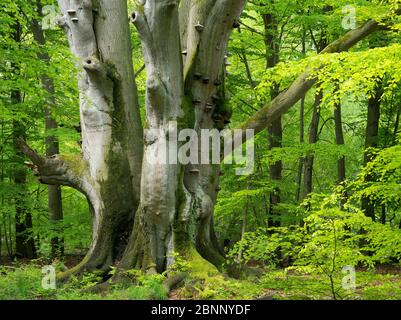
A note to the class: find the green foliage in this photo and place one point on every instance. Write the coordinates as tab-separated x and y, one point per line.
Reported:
302	285
329	239
19	283
25	283
179	265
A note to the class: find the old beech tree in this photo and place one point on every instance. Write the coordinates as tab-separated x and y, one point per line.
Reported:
143	211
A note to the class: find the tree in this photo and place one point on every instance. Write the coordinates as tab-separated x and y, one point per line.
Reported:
24	243
144	210
52	143
371	141
275	129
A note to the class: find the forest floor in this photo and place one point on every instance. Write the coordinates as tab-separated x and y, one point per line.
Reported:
23	280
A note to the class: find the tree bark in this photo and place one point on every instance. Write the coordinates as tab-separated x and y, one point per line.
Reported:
341	174
371	141
109	171
313	138
275	130
314	126
156	209
177	202
396	125
341	169
285	100
301	160
24	242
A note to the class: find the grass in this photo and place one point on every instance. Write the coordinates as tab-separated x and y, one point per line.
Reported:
24	282
370	285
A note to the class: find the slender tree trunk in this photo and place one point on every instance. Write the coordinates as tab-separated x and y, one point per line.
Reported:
243	229
314	126
383	215
313	137
396	124
341	172
341	175
2	217
275	130
244	58
24	242
371	141
301	160
52	144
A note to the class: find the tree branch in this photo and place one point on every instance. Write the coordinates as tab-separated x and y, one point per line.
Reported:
54	170
30	153
283	102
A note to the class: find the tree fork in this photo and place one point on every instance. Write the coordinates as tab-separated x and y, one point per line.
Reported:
164	208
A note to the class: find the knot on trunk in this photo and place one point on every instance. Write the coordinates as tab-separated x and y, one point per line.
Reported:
94	67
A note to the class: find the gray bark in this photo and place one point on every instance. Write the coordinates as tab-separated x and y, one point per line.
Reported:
109	171
301	160
157	208
177	201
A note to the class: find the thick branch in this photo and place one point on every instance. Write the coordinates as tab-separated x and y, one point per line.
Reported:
142	26
30	153
54	170
158	28
208	28
305	81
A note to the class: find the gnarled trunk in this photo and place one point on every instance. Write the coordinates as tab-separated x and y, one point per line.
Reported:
145	208
108	172
184	80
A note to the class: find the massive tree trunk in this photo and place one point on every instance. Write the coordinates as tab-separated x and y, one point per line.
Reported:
160	207
52	143
109	170
184	54
143	208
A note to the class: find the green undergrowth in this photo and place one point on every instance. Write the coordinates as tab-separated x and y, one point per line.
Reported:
24	282
310	285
